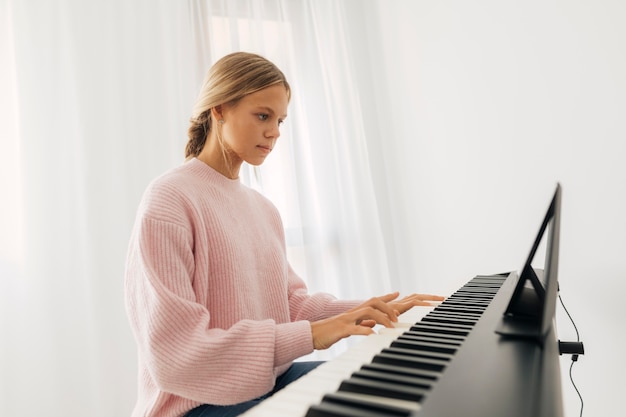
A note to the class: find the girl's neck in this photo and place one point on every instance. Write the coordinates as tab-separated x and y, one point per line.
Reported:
219	159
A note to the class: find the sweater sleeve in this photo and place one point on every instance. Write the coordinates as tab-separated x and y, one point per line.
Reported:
181	352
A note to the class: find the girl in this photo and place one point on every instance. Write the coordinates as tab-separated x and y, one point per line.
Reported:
218	314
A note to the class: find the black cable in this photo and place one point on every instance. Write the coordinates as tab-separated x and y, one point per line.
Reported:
574	385
574	357
570	318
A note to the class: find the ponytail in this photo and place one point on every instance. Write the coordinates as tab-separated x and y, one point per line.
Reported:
198	132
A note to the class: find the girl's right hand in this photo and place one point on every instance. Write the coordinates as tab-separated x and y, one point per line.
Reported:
356	321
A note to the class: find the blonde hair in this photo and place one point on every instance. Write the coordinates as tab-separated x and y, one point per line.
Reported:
228	81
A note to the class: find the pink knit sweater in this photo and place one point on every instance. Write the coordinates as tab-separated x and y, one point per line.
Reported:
216	310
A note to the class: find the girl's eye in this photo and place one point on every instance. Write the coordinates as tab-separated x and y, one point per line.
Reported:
280	122
263	117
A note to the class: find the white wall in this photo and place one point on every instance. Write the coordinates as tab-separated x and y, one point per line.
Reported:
490	103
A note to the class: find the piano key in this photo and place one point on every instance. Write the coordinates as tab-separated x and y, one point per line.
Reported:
452	316
463	302
426	346
427	337
447	330
402	370
380	375
329	408
347	404
373	399
415	314
415	353
476	289
483	288
445	320
428	324
386	389
456	309
486	294
404	360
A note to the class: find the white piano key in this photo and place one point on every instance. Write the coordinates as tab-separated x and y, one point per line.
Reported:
414	315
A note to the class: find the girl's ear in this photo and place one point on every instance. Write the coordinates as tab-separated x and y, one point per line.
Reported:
216	113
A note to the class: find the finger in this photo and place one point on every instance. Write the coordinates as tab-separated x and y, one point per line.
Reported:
389	297
378	303
402	307
418	302
367	323
372	313
385	307
428	297
361	331
421	300
425	303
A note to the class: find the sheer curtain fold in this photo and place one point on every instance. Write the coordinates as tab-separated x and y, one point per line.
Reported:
99	91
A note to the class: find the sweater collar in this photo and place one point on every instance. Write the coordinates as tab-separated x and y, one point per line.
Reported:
207	172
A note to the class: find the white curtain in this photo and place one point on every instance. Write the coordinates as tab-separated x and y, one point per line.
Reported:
96	103
95	100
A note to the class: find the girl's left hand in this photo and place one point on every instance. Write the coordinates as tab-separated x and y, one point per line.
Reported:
406	303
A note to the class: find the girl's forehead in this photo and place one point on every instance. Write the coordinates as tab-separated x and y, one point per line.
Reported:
274	98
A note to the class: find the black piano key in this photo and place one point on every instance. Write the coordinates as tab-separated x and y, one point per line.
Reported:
481	284
473	297
448	330
478	287
450	315
439	336
457	309
426	337
433	315
342	404
475	294
446	320
469	298
466	303
478	297
402	370
383	389
474	287
331	409
491	278
447	326
416	353
384	376
424	346
412	362
474	318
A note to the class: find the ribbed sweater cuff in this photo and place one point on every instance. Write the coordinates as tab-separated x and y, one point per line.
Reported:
293	340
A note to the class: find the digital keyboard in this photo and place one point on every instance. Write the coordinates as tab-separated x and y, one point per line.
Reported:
441	361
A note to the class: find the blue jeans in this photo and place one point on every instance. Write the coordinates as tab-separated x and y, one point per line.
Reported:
294	372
